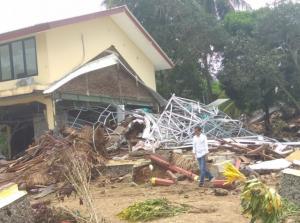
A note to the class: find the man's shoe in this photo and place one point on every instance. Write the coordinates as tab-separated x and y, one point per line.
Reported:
201	184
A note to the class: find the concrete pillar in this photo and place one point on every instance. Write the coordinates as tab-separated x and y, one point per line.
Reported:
50	113
40	125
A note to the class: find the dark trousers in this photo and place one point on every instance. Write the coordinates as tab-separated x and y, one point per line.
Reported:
203	169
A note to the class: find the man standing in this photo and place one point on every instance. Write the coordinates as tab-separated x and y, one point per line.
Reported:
200	149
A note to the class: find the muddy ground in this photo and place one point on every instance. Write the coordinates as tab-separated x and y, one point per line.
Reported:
111	199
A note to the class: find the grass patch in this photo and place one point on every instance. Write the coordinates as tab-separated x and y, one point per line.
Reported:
151	209
290	211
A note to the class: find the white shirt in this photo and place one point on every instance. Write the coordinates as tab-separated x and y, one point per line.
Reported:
200	145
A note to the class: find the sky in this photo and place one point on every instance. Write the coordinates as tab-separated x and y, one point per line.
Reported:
15	14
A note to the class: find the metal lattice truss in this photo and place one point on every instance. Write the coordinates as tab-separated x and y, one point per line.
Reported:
175	126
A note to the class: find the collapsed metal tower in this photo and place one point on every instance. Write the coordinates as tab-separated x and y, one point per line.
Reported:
176	123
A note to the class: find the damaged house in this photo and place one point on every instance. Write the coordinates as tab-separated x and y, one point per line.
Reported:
50	72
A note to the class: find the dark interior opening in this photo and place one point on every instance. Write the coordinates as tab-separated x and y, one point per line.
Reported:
22	136
24	121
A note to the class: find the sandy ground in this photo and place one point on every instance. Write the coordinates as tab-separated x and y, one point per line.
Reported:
111	199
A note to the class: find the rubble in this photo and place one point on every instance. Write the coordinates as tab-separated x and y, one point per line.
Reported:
295	156
270	166
221	192
168	166
142	133
175	125
44	163
146	147
161	182
14	205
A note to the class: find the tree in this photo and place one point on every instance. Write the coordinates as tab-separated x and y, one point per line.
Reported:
251	75
220	8
190	36
280	29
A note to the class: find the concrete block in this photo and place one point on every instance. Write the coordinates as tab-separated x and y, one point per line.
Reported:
223	156
217	169
118	168
290	185
14	205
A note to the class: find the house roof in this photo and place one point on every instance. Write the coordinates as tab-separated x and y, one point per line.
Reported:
122	17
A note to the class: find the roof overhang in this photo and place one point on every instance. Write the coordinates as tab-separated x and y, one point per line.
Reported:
98	64
123	18
138	34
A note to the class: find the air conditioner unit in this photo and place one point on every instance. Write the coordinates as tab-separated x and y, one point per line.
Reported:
25	82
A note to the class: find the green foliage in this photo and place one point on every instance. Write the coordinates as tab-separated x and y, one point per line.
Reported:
290	210
280	29
150	209
250	73
190	36
261	202
261	57
236	22
220	8
231	109
260	49
216	88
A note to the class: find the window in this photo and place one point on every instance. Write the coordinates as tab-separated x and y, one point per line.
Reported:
18	59
5	63
30	56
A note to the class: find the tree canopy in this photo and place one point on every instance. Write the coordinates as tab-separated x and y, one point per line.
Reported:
189	34
260	58
259	50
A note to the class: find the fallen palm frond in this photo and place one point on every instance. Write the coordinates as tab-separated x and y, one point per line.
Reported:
257	199
232	174
261	202
150	210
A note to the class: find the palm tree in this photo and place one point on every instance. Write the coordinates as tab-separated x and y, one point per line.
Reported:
220	8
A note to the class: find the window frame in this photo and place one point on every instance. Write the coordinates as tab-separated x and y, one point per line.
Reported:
24	75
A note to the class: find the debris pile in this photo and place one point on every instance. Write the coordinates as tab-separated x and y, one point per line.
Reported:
146	147
175	125
42	212
44	163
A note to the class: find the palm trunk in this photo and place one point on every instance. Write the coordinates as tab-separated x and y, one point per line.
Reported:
267	120
207	79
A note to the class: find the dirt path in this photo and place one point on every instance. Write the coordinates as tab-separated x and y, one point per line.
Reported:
111	200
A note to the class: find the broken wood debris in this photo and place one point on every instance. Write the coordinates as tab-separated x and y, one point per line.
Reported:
141	134
45	162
